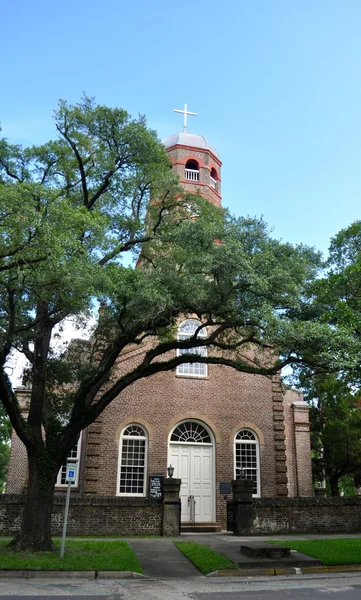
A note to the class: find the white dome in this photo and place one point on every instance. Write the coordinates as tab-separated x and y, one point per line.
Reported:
189	139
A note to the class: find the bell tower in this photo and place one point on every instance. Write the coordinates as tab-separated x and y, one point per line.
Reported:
196	162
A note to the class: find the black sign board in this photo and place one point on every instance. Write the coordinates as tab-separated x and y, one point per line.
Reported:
225	487
155	485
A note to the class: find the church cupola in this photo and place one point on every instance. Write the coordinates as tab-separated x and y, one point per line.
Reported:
196	162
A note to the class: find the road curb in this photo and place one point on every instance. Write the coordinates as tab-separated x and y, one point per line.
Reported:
285	571
332	569
32	574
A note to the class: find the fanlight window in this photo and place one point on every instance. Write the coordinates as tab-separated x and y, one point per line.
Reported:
192	170
247	458
132	461
191	432
73	457
186	330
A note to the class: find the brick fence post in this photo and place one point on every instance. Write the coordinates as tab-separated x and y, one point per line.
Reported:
171	506
243	506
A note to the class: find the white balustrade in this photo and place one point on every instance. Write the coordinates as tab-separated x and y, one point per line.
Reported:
192	174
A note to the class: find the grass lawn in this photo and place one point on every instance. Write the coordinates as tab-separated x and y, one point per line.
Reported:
79	556
205	559
331	552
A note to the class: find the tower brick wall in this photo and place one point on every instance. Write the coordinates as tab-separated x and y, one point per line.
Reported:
179	155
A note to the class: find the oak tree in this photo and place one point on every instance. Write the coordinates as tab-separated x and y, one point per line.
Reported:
95	220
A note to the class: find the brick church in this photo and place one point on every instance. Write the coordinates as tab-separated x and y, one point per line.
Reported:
210	422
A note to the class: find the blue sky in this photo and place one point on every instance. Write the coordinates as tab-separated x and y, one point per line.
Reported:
276	85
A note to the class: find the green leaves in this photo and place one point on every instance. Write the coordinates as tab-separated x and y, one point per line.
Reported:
335	427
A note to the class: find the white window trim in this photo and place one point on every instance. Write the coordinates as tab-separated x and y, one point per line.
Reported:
182	336
71	460
254	443
135	437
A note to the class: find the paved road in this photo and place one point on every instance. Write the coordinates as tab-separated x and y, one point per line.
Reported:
301	587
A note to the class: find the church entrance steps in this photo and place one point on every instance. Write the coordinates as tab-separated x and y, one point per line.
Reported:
200	528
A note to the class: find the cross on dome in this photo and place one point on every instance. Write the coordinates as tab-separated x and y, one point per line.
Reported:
185	112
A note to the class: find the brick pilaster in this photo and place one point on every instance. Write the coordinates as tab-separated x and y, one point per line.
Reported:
279	437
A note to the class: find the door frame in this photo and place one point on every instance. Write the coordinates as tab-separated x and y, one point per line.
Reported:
195	444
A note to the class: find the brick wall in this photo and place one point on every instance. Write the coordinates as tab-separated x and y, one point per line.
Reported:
91	516
225	401
306	515
94	515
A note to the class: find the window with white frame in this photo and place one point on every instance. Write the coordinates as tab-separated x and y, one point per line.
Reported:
246	454
186	330
132	461
72	457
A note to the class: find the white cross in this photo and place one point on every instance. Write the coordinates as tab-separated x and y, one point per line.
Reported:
185	112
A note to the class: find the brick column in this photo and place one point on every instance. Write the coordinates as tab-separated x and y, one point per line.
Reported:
279	436
171	506
92	453
302	448
242	506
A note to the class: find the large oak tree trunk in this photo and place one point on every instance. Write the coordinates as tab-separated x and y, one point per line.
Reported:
35	531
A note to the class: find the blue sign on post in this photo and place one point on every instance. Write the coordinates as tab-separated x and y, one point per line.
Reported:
70	478
71	472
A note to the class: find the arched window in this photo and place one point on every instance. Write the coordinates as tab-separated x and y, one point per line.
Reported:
191	432
246	458
214	178
132	461
192	170
186	330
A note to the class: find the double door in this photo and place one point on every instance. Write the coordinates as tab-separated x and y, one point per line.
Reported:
193	464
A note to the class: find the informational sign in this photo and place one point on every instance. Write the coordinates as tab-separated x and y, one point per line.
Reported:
225	487
155	485
71	472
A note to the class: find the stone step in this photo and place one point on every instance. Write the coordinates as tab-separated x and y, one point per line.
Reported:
262	549
200	528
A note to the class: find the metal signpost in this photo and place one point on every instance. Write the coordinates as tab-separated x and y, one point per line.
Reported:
70	478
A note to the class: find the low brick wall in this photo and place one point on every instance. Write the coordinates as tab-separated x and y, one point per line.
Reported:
306	515
93	515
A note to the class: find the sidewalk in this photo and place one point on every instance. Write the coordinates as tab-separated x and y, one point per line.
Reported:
160	558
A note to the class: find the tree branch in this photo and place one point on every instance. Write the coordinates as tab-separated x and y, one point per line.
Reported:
9	172
10	332
80	163
22	262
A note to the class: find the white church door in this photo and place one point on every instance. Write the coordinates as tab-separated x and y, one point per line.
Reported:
191	453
